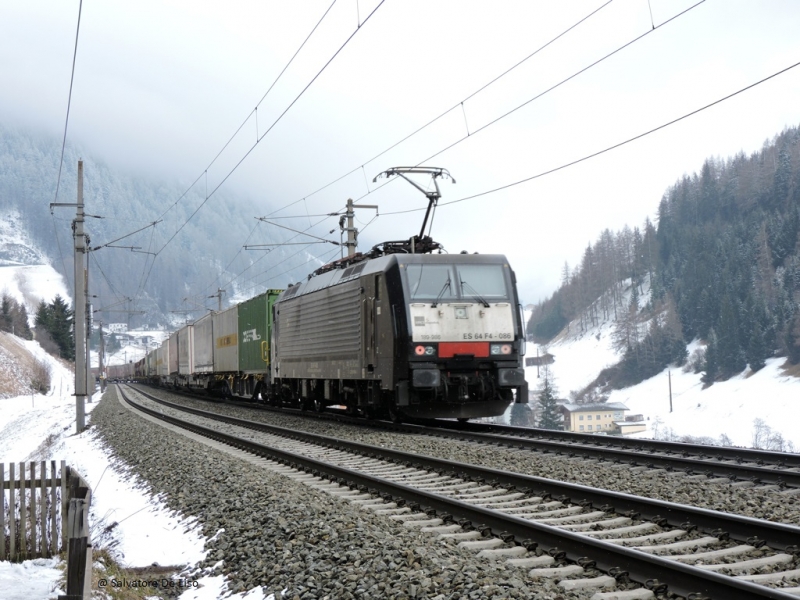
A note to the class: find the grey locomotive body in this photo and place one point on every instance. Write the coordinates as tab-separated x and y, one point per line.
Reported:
420	335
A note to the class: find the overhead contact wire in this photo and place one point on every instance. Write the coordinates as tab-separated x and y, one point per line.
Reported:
563	81
236	166
451	109
66	126
609	148
418	130
235	133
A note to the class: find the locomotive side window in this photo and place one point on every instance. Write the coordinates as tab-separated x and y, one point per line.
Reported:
431	282
486	281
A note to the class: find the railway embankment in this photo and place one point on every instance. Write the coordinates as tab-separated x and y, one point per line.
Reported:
267	530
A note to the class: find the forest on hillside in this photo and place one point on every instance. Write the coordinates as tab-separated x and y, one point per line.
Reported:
721	264
207	246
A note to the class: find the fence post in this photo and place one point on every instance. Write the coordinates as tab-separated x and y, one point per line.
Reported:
79	561
2	511
32	514
43	510
53	510
23	514
64	476
12	513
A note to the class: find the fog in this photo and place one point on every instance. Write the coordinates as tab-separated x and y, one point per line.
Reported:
160	88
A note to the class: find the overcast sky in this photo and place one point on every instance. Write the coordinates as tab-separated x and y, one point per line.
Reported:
161	86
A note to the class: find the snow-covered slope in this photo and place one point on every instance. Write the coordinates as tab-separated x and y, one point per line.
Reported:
16	246
751	409
25	273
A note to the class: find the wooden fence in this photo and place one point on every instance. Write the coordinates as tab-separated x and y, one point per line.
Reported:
33	505
79	550
43	512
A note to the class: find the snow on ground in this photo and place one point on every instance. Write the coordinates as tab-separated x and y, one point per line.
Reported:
578	358
30	580
727	408
30	284
146	531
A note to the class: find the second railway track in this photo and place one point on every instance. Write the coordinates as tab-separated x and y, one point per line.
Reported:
518	508
741	465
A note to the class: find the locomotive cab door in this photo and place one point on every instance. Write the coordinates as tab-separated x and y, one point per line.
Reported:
371	303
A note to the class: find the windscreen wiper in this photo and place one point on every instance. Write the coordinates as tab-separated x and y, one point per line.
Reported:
475	293
439	297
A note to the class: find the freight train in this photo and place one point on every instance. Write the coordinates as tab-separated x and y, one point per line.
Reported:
396	331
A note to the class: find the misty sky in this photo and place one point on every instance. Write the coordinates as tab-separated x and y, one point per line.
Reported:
160	87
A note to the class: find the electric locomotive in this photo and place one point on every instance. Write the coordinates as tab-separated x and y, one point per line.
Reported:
403	331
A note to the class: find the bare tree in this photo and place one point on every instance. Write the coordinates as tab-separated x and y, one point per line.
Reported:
41	376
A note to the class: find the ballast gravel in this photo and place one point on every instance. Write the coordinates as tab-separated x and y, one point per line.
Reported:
756	501
267	531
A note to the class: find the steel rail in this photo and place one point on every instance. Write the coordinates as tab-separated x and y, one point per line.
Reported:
693	459
789	459
640	567
777	535
638	457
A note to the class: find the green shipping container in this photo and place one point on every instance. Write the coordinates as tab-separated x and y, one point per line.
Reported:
255	330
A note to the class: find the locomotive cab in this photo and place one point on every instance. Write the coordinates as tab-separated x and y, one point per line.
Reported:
462	336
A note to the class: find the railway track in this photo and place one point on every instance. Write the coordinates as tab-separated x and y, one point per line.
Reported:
742	465
591	539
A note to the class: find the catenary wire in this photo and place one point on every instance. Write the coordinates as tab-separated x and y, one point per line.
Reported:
510	112
449	110
146	272
577	73
247	153
418	130
235	133
607	149
64	140
562	82
496	120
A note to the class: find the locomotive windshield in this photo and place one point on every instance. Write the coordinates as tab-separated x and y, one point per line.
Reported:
448	283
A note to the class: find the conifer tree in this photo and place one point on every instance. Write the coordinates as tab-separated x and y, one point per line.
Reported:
14	318
521	415
549	417
56	319
19	322
757	350
711	366
792	339
5	313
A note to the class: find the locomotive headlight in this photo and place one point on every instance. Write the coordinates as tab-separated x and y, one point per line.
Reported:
424	350
500	349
